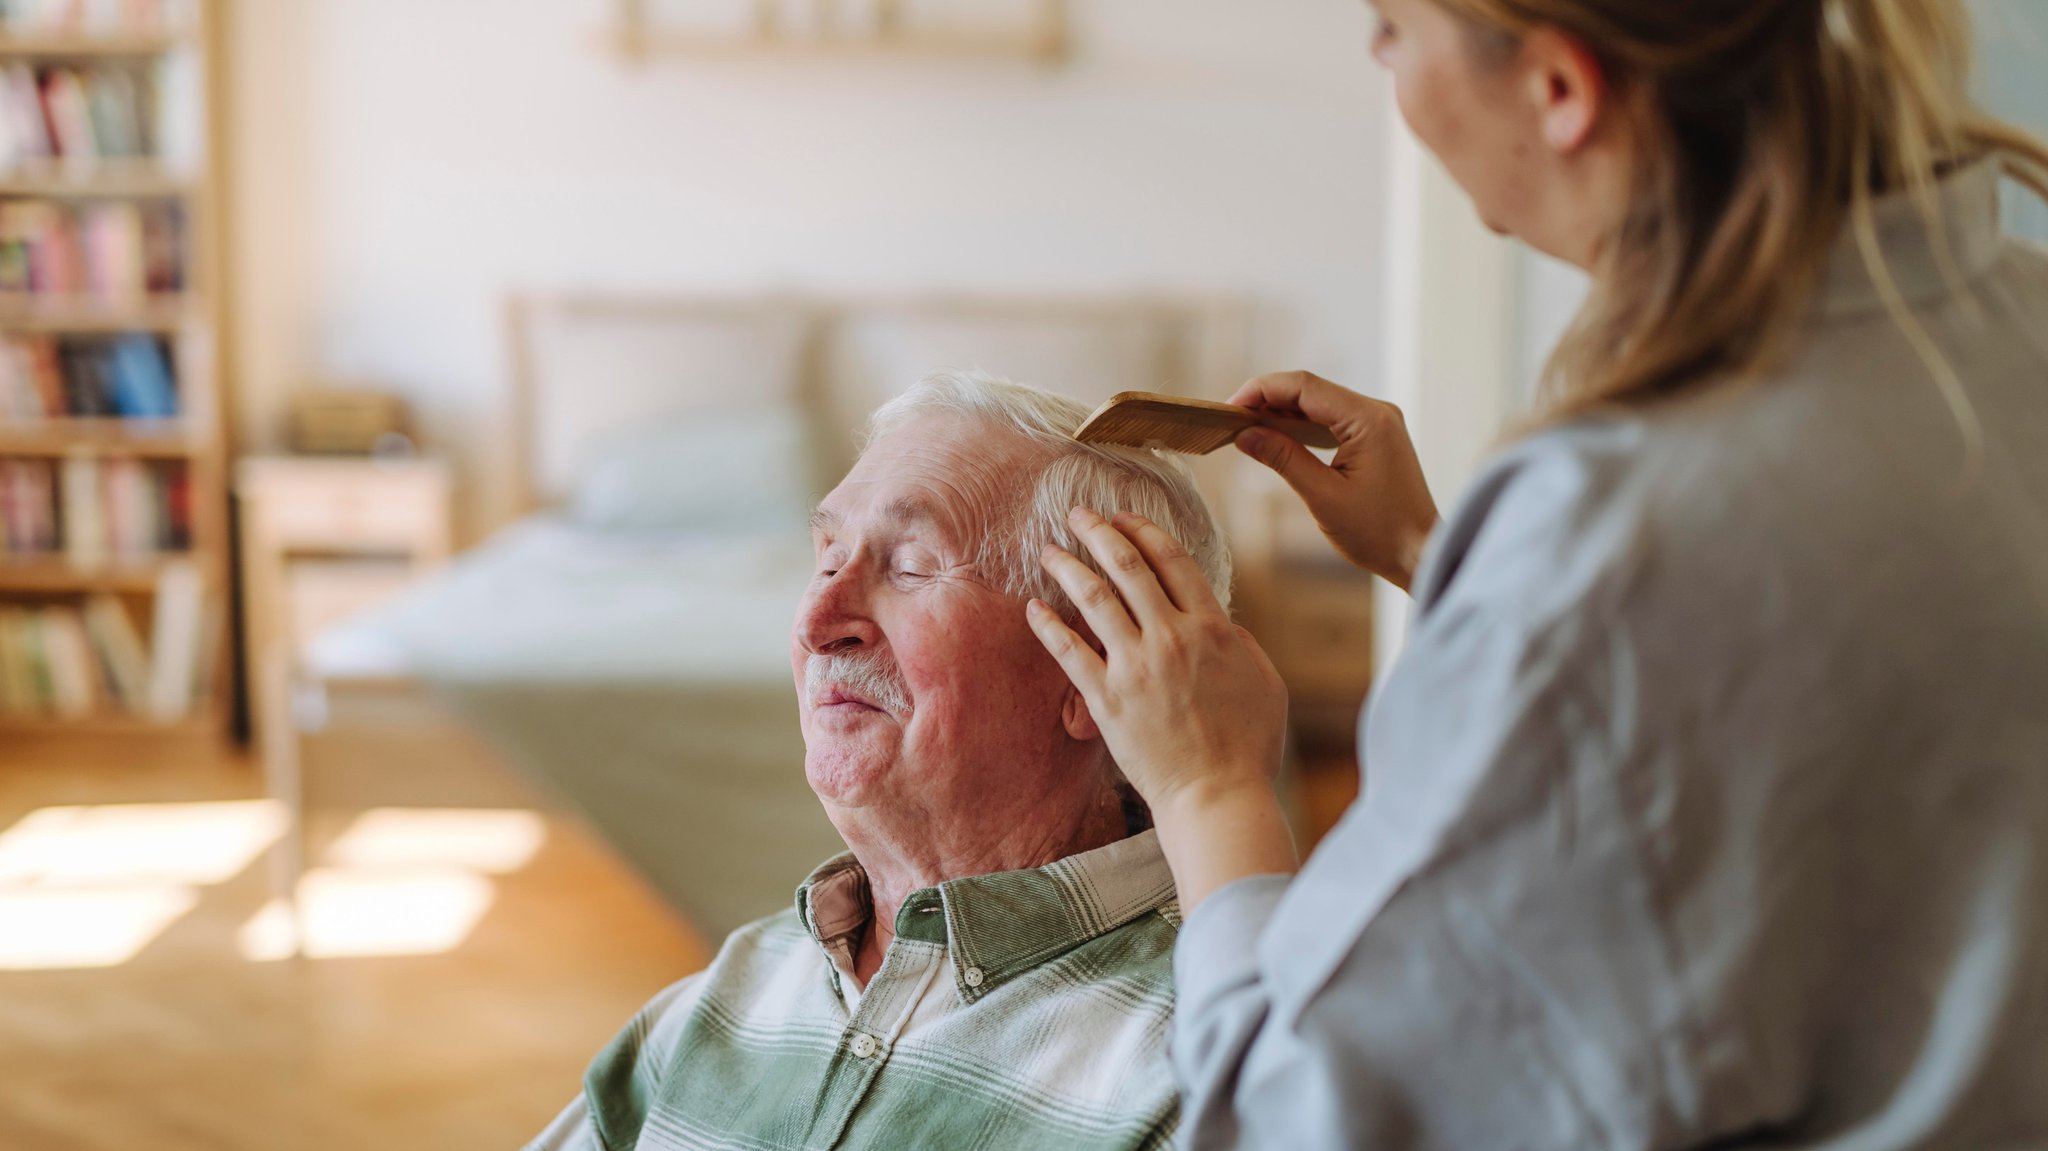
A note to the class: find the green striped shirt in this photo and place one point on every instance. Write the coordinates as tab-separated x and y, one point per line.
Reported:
1025	1009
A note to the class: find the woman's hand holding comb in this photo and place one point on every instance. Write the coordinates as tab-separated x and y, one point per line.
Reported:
1371	499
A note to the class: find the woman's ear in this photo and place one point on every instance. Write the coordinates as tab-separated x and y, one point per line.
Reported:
1075	717
1567	85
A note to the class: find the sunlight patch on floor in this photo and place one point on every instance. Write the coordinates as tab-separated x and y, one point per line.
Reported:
398	881
349	914
46	928
495	841
114	844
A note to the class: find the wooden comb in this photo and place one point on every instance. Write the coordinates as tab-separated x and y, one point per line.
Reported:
1178	424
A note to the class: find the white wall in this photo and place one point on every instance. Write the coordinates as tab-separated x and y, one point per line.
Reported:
1551	292
2012	78
400	165
1451	352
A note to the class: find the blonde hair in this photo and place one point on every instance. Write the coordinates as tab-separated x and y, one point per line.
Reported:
1778	124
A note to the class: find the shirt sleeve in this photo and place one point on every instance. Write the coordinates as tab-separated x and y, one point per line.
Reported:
1220	1003
571	1131
623	1079
1479	954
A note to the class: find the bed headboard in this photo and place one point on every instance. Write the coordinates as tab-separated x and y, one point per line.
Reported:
583	365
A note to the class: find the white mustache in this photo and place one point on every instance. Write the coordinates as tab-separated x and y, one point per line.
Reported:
862	672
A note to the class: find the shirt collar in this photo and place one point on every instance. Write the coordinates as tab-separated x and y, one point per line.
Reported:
995	927
1966	206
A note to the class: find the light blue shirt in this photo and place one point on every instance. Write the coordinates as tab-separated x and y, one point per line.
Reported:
1708	805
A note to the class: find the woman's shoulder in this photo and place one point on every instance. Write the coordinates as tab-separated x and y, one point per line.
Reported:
1608	506
1559	507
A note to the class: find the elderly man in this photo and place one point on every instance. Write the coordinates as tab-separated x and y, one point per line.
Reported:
990	965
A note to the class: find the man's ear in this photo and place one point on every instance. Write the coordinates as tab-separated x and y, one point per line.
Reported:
1567	86
1076	718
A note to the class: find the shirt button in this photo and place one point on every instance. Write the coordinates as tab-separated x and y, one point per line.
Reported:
972	976
864	1046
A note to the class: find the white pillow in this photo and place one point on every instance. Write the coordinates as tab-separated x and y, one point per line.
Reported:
595	370
741	472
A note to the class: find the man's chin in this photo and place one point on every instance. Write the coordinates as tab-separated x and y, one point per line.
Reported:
846	772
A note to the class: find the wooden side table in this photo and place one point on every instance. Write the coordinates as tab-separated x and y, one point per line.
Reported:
322	538
1311	611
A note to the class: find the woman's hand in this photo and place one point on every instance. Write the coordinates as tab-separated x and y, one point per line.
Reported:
1189	706
1370	499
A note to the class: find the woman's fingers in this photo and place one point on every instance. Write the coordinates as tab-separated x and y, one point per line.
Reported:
1083	667
1177	571
1092	596
1346	413
1304	392
1297	465
1128	568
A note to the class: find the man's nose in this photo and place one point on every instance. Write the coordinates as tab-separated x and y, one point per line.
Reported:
834	616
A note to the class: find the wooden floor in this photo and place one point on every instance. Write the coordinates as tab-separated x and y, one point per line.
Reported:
191	1045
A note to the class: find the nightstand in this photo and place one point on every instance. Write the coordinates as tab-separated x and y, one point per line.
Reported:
323	538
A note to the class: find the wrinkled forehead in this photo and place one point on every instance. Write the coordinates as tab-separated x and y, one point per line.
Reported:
953	475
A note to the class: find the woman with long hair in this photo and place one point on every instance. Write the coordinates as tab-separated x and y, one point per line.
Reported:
1707	805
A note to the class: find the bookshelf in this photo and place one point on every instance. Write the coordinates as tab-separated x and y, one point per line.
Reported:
114	536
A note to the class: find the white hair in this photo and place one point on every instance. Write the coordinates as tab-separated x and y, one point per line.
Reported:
1106	479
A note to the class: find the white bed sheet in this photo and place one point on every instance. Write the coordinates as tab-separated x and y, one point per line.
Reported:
546	600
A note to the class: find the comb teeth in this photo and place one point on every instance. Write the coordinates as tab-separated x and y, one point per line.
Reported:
1133	426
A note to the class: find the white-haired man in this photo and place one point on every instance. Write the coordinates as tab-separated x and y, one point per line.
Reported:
990	966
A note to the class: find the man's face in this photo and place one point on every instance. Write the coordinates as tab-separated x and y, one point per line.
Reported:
920	683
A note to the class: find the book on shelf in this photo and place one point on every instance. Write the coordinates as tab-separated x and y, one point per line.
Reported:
44	377
124	662
94	17
28	508
91	511
24	127
174	675
71	129
68	661
74	690
81	502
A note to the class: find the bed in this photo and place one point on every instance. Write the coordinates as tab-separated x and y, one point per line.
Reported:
625	644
